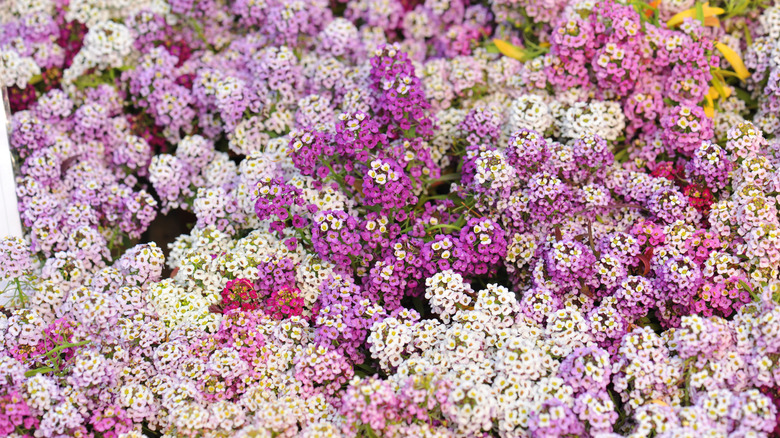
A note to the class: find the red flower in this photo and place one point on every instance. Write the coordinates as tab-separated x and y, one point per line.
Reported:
239	293
699	197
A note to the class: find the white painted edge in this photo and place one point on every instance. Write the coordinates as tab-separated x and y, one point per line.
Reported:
10	224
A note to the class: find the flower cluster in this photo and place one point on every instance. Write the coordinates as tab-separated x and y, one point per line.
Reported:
406	218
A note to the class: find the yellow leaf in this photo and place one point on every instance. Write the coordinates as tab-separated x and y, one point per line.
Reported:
712	21
711	12
659	402
691	13
709	107
713	93
719	86
510	50
733	59
719	90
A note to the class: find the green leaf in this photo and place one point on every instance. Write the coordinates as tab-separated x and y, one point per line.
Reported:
622	156
718	86
699	12
369	431
736	7
746	97
725	73
40	370
490	47
88	81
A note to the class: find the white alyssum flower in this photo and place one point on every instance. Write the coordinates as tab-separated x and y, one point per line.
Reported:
529	111
107	44
16	70
605	119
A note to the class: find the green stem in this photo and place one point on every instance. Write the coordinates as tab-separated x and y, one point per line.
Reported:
59	348
338	177
426	198
52	356
444	178
445	227
461	221
20	293
199	31
40	370
435	227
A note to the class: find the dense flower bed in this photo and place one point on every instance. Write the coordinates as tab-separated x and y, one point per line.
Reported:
434	218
